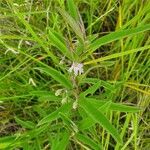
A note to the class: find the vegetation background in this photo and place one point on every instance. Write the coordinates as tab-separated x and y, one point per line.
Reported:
43	105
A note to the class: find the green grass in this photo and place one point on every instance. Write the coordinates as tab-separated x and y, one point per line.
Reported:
44	105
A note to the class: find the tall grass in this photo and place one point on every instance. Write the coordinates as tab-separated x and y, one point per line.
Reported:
74	74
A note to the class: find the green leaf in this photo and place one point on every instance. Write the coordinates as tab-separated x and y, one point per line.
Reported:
40	41
96	115
62	144
116	36
25	124
72	9
91	90
103	106
71	125
113	106
56	76
87	122
55	115
45	95
73	24
6	141
59	44
116	55
88	141
102	83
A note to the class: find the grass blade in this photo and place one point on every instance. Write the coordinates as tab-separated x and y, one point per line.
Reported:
88	141
35	36
116	36
25	124
117	55
72	9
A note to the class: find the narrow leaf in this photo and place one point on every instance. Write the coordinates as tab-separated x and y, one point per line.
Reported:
103	106
116	35
62	145
55	115
59	44
88	141
25	124
96	115
73	24
45	95
91	90
72	9
87	122
35	36
116	55
71	125
114	106
56	76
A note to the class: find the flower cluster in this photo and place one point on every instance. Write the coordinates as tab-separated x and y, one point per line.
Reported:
76	68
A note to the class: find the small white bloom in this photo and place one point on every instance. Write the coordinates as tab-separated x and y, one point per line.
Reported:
64	100
12	50
58	92
77	68
75	105
31	81
62	61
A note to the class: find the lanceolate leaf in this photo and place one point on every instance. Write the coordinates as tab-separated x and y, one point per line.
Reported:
113	106
103	106
73	24
25	124
45	95
72	9
63	143
88	122
55	115
116	55
70	124
96	115
56	76
91	89
88	141
59	44
115	36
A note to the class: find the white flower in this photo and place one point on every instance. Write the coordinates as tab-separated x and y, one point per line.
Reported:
64	100
58	92
31	81
62	60
77	68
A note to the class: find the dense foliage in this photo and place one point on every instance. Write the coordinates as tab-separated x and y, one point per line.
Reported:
74	74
